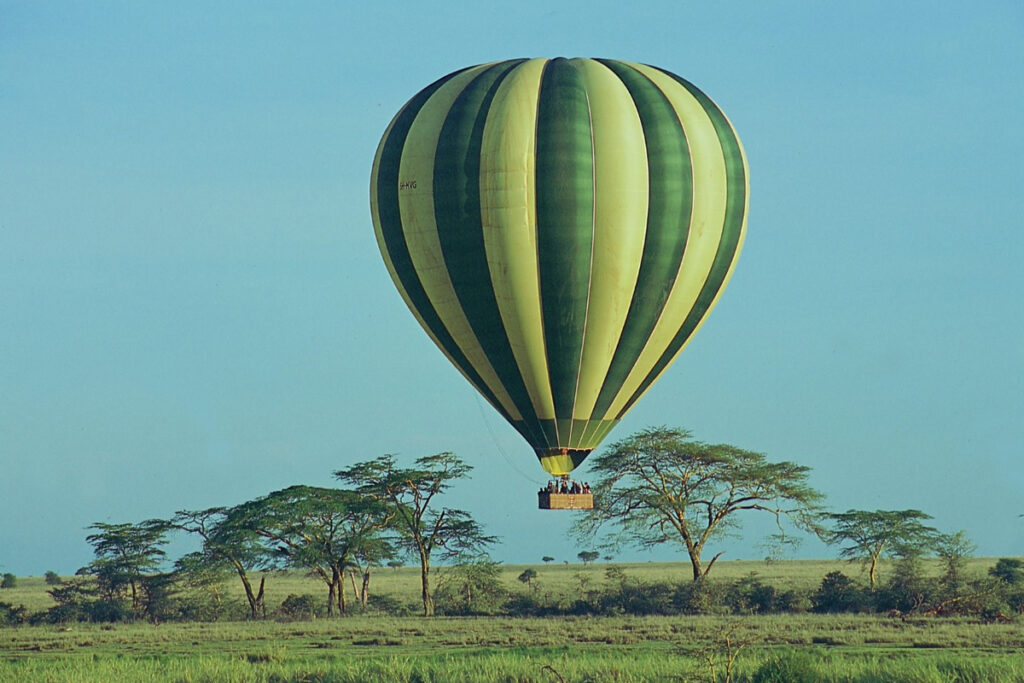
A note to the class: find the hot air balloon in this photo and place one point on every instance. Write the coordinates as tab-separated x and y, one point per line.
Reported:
560	228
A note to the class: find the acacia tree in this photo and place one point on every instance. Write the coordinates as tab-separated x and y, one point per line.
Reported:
410	495
125	555
323	530
225	547
872	534
660	485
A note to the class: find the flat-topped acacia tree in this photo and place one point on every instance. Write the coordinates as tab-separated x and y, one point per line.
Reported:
868	535
326	531
224	546
662	486
424	528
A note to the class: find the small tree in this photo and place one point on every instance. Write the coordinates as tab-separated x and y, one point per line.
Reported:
76	601
472	586
872	534
1009	570
528	577
125	554
226	547
907	590
409	495
52	578
547	559
588	556
660	486
326	531
9	581
954	550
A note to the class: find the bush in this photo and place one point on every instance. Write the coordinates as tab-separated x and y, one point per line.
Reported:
750	596
108	611
838	593
11	615
76	601
699	597
52	578
389	605
1007	569
198	606
299	607
639	599
9	581
792	601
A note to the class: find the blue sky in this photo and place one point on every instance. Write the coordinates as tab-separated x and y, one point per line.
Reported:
193	310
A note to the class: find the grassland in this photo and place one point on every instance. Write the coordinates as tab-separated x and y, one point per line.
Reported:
402	584
376	647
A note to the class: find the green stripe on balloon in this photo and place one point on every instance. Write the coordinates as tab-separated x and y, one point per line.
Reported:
565	220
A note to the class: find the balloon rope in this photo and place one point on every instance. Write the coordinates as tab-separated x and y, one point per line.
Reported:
505	456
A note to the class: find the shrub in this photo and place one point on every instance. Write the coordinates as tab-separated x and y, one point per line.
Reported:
11	615
698	597
9	581
109	611
908	590
299	607
1007	569
838	593
750	596
52	578
792	601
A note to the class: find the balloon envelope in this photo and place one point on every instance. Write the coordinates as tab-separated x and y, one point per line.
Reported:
560	228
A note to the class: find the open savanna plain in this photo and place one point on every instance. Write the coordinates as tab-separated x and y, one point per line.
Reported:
370	646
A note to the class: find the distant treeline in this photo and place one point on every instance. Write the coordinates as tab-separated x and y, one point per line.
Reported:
477	589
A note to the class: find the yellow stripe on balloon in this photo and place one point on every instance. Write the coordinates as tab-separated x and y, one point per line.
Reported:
508	214
620	224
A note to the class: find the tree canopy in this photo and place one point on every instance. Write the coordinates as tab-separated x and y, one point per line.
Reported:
323	530
126	555
871	534
224	546
662	486
425	529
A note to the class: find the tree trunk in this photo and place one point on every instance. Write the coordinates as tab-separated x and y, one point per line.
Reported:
261	607
332	593
698	573
364	595
355	590
253	602
428	600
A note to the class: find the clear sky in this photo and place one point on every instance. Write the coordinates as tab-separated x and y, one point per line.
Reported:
194	312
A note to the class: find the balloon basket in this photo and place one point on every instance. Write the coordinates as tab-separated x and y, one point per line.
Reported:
565	501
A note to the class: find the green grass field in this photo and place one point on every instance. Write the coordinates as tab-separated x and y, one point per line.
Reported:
402	584
789	647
